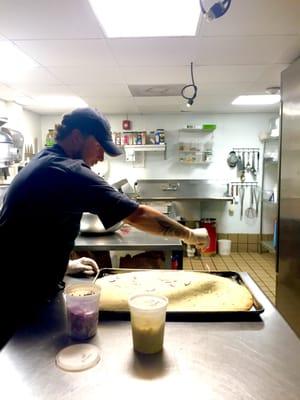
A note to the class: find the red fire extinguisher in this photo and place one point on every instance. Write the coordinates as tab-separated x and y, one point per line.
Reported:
210	224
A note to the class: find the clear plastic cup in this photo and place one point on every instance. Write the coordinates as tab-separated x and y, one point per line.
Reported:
148	316
82	310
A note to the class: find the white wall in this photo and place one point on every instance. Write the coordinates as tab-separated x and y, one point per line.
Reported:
233	130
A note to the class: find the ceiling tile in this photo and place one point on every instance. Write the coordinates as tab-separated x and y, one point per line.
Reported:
44	19
156	75
63	53
6	92
87	75
154	51
228	73
251	50
271	75
36	75
113	105
101	89
34	90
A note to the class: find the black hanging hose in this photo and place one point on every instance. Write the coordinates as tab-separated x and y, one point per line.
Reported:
190	98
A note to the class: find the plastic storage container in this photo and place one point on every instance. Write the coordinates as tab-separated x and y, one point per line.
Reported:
224	247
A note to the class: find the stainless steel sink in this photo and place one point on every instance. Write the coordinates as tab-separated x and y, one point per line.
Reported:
185	195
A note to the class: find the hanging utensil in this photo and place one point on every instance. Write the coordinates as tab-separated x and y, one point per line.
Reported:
257	169
239	162
236	194
232	159
242	194
253	170
250	212
248	166
256	198
242	177
231	205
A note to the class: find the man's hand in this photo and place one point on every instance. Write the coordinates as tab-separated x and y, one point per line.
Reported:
198	237
83	265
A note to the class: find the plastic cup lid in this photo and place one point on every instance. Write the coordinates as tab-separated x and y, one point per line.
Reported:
78	357
148	302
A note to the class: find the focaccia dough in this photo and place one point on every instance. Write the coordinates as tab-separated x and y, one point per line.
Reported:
186	291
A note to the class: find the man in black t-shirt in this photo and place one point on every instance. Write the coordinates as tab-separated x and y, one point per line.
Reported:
42	208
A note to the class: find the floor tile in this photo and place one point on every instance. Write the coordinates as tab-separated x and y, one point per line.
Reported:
261	267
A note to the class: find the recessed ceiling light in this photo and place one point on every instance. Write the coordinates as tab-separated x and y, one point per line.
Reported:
256	100
144	18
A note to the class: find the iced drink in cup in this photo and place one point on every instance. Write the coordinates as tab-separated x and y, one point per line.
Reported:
148	316
82	310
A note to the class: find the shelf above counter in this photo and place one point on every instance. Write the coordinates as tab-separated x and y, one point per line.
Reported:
197	130
136	153
145	147
194	162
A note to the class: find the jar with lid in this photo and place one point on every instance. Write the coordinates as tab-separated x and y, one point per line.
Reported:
50	138
157	137
139	138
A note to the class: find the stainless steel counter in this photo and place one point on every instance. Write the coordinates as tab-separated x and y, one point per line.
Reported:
131	239
127	238
209	361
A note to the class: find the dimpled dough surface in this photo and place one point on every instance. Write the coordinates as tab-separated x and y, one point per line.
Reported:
186	291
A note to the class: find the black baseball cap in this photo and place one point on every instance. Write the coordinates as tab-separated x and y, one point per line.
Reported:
92	121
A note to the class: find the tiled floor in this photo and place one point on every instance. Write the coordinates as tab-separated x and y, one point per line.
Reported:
261	267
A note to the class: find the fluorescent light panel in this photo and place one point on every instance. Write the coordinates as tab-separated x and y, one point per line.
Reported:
147	18
256	100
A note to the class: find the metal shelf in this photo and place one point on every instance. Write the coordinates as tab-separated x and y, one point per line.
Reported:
268	244
195	162
197	130
146	147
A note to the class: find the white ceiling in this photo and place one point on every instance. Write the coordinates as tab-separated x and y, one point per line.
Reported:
243	52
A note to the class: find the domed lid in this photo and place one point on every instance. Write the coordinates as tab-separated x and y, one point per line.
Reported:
78	357
5	137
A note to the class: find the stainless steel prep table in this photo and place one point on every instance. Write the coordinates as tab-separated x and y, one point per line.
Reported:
209	361
131	239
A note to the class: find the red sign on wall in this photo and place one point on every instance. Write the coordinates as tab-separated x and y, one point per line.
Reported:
126	124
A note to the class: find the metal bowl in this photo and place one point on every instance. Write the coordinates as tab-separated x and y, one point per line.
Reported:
91	224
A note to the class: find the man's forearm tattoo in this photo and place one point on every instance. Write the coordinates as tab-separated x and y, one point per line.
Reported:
170	228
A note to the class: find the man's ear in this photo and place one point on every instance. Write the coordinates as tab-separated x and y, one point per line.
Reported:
77	137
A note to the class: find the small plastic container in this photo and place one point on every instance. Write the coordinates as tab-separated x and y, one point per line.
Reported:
82	310
148	316
224	247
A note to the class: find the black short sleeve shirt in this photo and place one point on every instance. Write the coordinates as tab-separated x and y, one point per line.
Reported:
44	204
